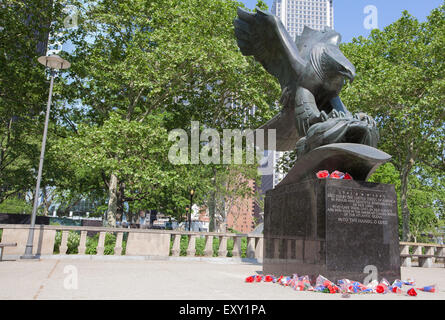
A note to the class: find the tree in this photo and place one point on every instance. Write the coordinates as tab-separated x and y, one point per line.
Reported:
232	189
15	205
24	26
133	153
179	58
400	83
424	219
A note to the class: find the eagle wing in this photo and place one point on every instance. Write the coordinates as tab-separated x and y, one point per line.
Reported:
263	36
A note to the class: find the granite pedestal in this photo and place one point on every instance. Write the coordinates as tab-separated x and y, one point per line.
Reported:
336	228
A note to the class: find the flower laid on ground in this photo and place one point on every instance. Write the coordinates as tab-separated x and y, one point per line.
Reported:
382	287
412	292
428	288
343	286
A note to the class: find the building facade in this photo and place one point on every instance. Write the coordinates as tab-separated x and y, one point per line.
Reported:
241	213
295	14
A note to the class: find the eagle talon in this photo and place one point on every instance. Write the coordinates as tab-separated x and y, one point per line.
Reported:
335	114
323	116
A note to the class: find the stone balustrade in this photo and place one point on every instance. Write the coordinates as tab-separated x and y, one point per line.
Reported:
133	242
171	243
426	254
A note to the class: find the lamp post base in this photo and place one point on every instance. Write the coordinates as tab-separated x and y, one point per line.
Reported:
29	257
28	254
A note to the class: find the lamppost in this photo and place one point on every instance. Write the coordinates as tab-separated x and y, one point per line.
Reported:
187	215
192	192
53	62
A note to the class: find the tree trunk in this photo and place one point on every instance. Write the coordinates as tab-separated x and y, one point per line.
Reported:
120	199
112	201
403	193
47	200
212	223
212	205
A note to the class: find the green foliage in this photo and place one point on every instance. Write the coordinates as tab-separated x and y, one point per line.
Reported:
163	54
400	83
151	67
91	243
72	243
425	200
200	246
387	174
110	242
262	5
23	93
184	245
15	205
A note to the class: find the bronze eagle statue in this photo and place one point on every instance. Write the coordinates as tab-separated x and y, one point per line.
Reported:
311	71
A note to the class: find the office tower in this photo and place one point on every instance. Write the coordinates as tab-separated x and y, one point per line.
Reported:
271	176
295	14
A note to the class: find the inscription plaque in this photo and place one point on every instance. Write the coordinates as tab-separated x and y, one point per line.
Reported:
362	227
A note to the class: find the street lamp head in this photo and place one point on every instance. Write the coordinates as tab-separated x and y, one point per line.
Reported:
192	192
54	62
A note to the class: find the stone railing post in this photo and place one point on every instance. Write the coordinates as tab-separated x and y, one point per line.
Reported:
118	246
191	249
259	249
441	253
236	252
82	243
222	250
176	249
101	245
406	261
430	251
418	249
404	249
250	251
208	250
64	243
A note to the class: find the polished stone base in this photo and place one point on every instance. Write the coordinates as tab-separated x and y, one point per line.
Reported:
336	228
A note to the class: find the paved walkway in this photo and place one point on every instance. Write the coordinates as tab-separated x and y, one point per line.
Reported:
170	280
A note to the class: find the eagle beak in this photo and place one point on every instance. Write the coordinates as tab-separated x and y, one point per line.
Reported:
350	74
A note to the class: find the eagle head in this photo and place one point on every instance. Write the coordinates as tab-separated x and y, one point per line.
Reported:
331	66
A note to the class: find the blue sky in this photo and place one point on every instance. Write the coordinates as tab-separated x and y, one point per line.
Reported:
349	15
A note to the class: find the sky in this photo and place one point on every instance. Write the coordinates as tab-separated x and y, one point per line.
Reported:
349	15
